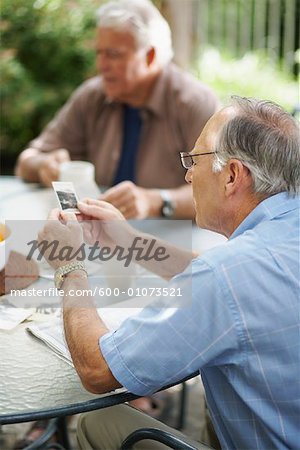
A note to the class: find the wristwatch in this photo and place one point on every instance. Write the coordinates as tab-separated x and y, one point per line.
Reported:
168	206
61	272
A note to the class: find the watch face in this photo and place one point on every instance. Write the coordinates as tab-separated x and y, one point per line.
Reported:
168	209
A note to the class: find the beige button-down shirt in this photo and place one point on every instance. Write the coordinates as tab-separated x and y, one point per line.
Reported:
90	126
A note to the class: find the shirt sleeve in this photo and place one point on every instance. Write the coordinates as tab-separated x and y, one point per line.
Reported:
163	344
66	129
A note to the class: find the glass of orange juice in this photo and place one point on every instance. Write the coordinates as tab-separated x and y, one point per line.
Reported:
4	244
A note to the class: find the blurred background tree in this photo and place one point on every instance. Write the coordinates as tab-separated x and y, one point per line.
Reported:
46	51
245	47
242	47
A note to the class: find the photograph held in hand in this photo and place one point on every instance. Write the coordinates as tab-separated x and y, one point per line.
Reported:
66	196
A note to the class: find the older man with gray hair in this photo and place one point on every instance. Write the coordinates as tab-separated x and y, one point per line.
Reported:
131	121
241	330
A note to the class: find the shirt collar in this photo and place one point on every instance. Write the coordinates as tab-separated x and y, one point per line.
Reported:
155	102
266	210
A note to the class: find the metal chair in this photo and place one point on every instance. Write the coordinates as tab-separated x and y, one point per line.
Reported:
182	406
58	426
166	438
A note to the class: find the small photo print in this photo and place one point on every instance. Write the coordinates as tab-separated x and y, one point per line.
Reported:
66	195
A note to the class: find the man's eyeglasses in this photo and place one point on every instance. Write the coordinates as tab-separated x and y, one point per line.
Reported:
187	160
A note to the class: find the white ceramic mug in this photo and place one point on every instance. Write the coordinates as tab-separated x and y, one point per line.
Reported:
77	172
82	175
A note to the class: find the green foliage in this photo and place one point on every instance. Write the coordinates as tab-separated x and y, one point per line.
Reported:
46	51
253	75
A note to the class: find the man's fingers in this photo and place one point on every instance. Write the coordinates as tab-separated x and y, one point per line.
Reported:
52	222
61	155
70	220
94	210
92	201
95	204
46	178
49	171
68	216
123	202
116	194
54	214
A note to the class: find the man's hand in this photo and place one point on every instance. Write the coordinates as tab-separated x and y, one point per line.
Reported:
49	167
41	167
102	222
79	313
134	202
68	234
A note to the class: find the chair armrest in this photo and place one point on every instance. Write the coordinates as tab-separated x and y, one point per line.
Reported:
164	437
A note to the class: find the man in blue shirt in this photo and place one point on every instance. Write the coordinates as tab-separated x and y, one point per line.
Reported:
241	330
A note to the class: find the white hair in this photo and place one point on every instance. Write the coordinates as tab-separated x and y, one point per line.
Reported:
143	20
267	141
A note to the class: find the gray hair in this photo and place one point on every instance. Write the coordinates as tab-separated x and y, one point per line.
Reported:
266	139
143	20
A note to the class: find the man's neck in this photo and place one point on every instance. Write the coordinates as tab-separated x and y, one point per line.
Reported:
239	212
140	96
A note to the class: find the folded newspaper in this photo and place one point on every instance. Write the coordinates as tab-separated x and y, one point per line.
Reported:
52	332
10	316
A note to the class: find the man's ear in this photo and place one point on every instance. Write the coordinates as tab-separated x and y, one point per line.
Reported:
151	55
237	177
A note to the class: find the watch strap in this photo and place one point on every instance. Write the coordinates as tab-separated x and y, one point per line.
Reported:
61	273
168	207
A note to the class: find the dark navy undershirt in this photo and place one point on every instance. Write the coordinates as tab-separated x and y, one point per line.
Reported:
132	124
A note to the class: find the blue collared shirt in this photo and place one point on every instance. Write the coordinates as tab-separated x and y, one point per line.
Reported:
241	331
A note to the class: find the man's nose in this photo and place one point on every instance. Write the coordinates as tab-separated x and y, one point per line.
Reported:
188	176
103	63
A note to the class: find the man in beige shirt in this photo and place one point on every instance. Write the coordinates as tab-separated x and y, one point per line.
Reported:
131	121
